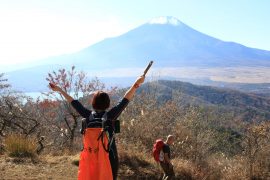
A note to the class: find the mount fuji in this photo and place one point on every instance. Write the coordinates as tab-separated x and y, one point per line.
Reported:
166	40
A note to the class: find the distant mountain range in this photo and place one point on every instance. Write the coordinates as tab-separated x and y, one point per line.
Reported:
247	106
167	41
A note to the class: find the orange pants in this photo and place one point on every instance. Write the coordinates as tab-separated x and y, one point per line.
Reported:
94	160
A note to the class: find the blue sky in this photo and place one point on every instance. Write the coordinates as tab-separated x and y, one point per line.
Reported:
35	29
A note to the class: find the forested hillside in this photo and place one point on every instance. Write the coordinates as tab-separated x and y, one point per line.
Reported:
219	133
249	106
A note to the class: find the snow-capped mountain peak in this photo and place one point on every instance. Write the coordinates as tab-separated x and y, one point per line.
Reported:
165	20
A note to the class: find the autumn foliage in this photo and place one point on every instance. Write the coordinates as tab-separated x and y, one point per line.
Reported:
211	142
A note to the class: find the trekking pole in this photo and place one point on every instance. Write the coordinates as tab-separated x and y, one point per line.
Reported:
147	68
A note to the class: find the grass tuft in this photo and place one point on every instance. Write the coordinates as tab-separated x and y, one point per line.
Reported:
19	146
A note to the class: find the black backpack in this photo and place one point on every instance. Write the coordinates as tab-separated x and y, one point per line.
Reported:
103	123
87	122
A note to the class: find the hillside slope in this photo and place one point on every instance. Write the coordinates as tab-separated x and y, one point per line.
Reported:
253	106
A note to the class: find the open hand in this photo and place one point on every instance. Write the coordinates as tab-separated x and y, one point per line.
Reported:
140	80
54	87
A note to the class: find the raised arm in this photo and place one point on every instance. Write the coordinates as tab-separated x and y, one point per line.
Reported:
58	89
75	103
130	93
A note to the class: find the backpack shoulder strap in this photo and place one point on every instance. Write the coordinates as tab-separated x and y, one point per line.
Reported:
83	126
105	128
86	121
104	120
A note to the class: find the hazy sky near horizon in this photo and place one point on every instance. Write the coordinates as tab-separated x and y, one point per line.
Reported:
35	29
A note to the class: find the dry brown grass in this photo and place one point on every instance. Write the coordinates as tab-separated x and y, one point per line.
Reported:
134	164
185	169
139	164
46	167
20	146
222	167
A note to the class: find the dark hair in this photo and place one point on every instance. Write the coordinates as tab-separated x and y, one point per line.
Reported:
101	101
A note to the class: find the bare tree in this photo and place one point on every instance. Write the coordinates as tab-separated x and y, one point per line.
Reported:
62	116
256	145
14	114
